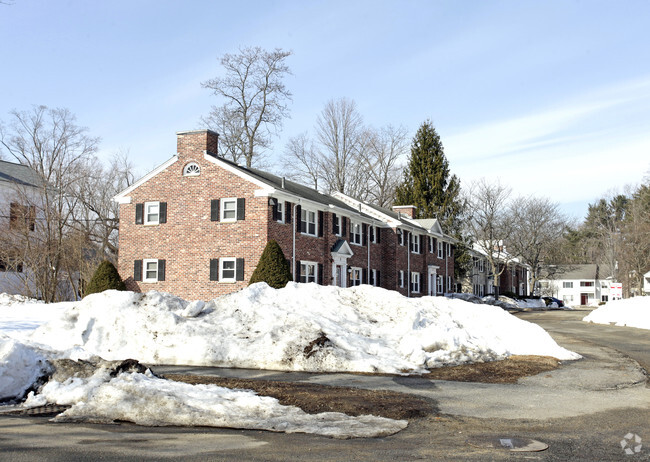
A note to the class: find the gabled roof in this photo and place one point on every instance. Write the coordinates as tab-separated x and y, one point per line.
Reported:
19	174
432	225
588	272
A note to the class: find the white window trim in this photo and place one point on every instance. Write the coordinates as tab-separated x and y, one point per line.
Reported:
440	249
401	278
431	244
146	214
280	211
440	285
373	231
222	210
373	273
415	282
222	278
144	270
353	235
448	249
415	243
309	263
356	270
307	212
194	171
339	220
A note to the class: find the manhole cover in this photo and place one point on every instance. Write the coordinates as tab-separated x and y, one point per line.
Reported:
507	443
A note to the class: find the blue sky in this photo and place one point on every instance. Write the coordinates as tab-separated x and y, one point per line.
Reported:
549	97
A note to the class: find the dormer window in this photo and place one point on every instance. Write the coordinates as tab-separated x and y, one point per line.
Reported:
192	169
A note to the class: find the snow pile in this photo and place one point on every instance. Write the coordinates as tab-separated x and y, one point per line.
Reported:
20	367
303	327
147	400
19	315
631	312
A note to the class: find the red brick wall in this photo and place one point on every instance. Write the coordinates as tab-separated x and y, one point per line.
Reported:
189	239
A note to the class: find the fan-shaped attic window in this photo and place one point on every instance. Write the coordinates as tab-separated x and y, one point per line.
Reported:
192	169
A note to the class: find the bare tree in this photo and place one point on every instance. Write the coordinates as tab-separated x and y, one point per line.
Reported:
255	101
489	224
635	242
342	141
536	225
301	160
59	152
385	149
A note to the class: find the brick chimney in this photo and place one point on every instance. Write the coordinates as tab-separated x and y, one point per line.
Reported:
408	210
193	143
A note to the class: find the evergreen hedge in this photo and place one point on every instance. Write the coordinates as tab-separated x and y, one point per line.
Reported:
106	277
272	267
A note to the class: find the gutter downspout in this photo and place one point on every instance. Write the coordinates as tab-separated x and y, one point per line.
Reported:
293	258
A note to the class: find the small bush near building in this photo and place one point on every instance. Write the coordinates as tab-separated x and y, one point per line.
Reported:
106	277
272	267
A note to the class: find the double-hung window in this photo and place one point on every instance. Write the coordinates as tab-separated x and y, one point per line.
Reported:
227	269
355	276
356	233
415	243
308	222
441	250
228	209
151	213
432	242
586	283
308	271
415	282
440	285
279	212
401	278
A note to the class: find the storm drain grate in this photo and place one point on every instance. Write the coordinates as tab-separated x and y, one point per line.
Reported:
507	443
49	410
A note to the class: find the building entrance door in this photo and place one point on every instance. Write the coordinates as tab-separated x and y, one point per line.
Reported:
584	299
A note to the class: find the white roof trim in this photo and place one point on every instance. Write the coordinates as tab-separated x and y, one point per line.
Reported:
236	171
367	210
123	198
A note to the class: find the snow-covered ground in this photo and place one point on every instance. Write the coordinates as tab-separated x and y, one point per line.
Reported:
301	327
631	312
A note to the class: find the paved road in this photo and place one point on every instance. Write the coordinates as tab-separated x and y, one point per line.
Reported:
582	411
630	341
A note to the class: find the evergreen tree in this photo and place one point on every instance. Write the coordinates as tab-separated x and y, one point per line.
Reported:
435	193
427	183
272	267
106	277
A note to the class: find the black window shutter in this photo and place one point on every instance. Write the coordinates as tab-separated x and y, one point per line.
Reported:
162	218
335	225
137	270
421	237
371	277
139	214
351	230
214	269
298	217
344	223
364	276
320	223
287	212
320	274
161	270
378	278
373	237
239	265
364	231
214	210
241	208
378	234
423	285
274	210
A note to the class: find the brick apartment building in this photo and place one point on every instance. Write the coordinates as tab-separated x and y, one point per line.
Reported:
197	225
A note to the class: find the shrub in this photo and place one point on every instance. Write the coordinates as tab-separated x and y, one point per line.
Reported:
106	277
272	267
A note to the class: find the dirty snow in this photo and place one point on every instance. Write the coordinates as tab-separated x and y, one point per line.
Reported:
147	400
631	312
301	327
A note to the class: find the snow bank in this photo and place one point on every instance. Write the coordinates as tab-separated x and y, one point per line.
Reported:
19	315
631	312
146	400
20	367
303	327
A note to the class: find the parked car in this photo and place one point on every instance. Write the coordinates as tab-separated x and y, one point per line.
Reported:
550	300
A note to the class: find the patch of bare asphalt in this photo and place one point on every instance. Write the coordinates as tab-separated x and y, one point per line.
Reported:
314	398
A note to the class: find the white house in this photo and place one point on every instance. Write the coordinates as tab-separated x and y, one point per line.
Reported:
19	185
578	285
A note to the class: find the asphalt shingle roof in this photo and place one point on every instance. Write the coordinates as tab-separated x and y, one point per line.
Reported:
18	173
